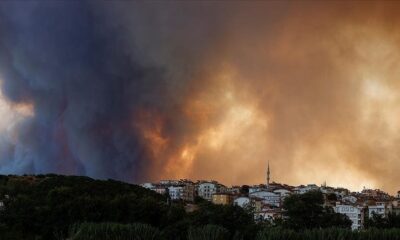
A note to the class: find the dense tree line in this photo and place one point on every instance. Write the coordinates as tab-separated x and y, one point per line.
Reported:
112	231
306	211
53	207
392	220
47	206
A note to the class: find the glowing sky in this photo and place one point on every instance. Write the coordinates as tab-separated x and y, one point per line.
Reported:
144	91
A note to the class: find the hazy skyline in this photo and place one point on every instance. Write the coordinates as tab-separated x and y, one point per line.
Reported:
142	91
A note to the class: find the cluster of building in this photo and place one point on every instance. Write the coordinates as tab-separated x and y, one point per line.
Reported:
266	200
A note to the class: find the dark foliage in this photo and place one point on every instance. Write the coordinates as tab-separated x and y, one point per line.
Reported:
38	207
378	221
46	206
306	211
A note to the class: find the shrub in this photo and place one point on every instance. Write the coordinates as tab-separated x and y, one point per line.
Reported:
208	232
113	231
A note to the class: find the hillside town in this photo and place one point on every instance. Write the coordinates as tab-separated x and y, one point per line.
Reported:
266	200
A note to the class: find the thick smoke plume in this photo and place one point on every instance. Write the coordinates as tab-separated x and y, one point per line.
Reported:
147	90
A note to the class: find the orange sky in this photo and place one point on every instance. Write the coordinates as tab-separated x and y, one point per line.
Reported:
312	88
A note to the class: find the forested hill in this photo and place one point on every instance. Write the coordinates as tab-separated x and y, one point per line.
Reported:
46	205
40	186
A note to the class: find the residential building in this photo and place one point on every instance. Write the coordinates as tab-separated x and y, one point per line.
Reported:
160	189
395	207
222	198
355	213
257	203
341	192
268	213
326	190
303	189
242	202
379	208
148	186
175	192
207	189
170	182
233	190
349	199
189	192
255	188
282	192
268	197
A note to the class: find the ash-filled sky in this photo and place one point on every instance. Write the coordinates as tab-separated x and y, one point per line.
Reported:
142	91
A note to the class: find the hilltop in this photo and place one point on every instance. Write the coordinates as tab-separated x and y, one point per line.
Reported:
46	205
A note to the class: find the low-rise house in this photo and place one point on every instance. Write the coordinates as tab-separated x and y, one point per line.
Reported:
233	190
376	194
379	208
282	192
169	182
150	186
268	213
222	198
255	188
268	197
349	199
327	190
303	189
341	192
242	202
257	203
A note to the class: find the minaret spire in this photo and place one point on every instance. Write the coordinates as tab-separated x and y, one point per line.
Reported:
268	174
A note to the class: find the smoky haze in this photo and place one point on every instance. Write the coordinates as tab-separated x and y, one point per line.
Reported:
141	91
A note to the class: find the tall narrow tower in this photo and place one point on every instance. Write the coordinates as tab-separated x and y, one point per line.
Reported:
268	175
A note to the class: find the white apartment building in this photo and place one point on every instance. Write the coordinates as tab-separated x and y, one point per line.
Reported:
159	189
379	208
268	197
242	202
282	192
175	192
349	198
304	189
207	189
255	188
148	186
169	182
355	214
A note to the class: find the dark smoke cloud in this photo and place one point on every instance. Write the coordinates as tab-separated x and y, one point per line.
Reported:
84	82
